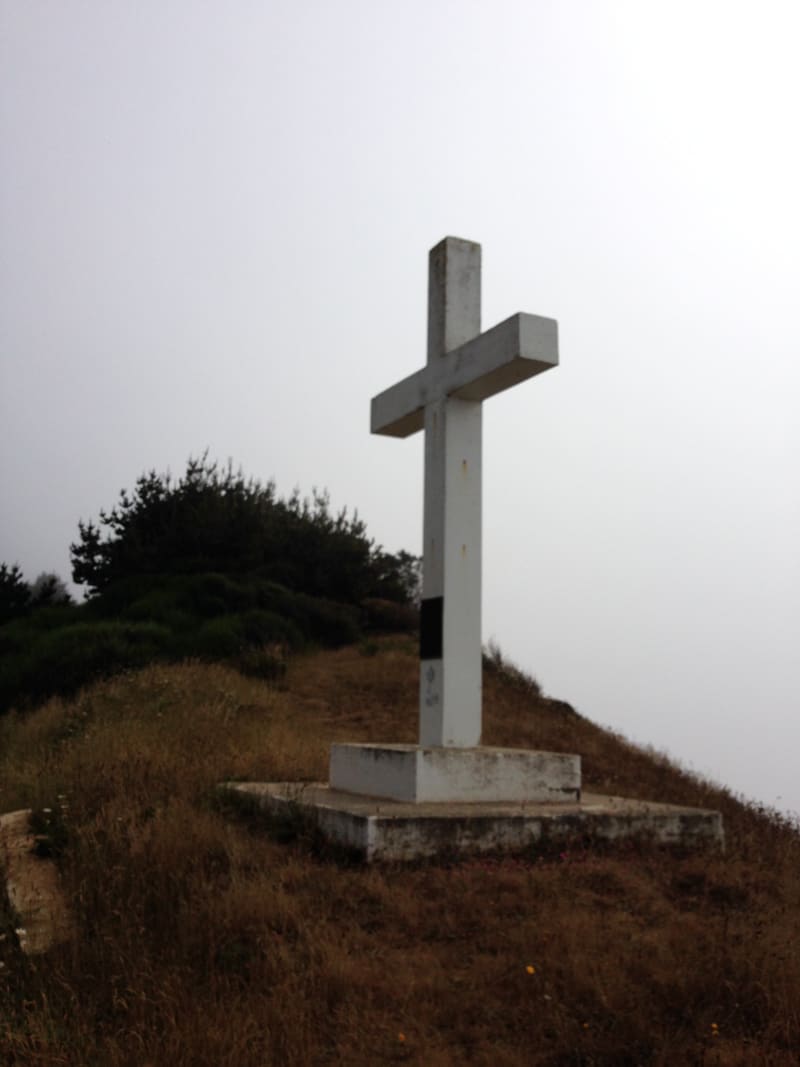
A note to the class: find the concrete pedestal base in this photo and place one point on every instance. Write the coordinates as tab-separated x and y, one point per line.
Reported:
417	774
394	830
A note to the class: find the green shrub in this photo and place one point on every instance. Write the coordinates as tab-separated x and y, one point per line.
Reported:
264	627
321	621
117	598
61	661
227	636
55	650
330	623
162	605
15	637
54	616
211	565
218	638
214	520
21	636
15	593
209	595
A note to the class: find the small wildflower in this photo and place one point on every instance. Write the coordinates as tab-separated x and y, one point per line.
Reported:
530	969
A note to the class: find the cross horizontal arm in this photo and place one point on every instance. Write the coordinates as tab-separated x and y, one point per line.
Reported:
512	351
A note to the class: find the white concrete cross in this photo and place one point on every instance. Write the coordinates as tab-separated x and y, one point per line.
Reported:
464	367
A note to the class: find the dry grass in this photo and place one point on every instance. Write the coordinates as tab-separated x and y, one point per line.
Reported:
203	942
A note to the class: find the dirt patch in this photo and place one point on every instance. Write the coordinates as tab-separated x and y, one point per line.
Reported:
32	887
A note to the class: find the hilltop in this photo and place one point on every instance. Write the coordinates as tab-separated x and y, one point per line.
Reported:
204	939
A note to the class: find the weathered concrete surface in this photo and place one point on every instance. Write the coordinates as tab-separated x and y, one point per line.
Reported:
32	886
443	774
391	830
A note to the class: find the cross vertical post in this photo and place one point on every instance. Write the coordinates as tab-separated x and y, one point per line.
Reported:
450	643
464	367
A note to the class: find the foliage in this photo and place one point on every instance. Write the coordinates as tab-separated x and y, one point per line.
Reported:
18	597
62	659
55	650
214	520
15	593
396	577
48	590
212	565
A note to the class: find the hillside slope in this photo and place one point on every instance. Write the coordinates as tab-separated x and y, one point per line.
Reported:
206	941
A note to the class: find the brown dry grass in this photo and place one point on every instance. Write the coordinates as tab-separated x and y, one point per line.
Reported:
203	942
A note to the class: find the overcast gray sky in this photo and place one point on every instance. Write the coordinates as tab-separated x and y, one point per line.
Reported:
215	226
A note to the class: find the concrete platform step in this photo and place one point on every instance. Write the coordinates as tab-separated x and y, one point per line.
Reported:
423	773
394	830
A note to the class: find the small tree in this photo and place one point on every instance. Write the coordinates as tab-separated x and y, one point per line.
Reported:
14	593
397	577
209	520
213	520
48	589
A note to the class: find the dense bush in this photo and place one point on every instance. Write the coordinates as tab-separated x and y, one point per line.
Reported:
212	567
231	636
18	597
213	520
182	602
47	590
62	660
56	649
14	593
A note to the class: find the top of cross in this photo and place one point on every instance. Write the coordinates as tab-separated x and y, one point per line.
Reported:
462	362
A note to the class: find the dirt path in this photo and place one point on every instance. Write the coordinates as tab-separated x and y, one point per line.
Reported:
32	887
